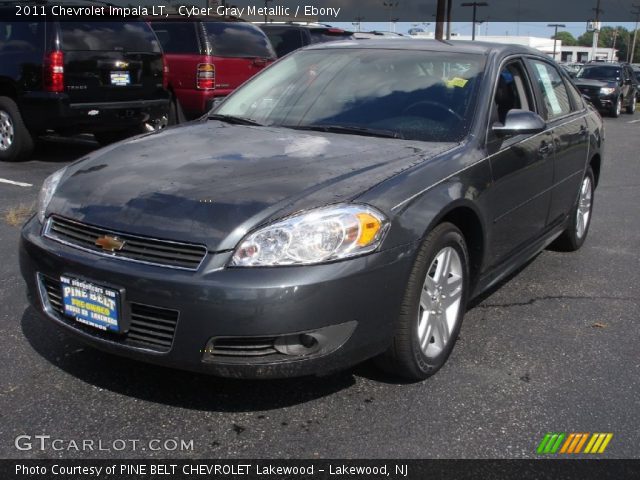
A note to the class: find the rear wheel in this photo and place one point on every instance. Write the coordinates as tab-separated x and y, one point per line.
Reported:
434	305
16	143
176	115
576	233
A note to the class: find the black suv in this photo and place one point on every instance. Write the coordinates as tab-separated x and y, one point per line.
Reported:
287	37
610	86
89	75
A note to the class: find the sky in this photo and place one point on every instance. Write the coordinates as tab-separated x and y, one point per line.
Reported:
534	29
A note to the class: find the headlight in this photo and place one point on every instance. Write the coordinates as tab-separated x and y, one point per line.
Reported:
49	187
319	235
607	90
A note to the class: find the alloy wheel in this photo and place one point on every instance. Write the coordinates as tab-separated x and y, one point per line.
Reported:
440	302
583	212
6	131
619	106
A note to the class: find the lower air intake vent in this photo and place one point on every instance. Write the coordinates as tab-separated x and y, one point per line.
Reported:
243	347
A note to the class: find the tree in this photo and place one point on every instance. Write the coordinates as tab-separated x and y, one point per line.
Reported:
566	38
623	39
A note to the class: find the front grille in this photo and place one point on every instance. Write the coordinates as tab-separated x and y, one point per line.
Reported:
243	347
151	327
139	249
590	91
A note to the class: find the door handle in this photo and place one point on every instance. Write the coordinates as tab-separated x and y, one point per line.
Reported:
583	130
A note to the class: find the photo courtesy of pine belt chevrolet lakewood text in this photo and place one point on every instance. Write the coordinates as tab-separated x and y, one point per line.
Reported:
346	203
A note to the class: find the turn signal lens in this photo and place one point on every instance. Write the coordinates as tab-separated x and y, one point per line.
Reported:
317	236
369	228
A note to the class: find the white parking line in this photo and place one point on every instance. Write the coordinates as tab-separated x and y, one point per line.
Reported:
11	182
634	121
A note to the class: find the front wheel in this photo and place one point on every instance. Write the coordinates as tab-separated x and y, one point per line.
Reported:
631	108
616	109
580	218
433	307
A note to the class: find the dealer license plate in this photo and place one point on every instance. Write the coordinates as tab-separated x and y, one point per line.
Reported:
120	79
91	304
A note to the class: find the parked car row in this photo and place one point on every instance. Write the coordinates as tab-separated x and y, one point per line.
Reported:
117	78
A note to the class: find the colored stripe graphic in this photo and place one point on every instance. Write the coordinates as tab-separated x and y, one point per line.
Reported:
598	443
551	443
572	443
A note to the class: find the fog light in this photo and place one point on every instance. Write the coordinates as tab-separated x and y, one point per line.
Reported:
303	344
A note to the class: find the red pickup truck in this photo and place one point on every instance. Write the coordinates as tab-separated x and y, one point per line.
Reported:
208	58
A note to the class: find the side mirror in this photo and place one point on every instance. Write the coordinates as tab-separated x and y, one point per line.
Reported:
519	122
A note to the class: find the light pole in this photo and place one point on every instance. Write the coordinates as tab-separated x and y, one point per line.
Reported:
635	32
555	35
358	22
266	4
475	6
390	6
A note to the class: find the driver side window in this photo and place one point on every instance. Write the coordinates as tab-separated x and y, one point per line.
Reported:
512	91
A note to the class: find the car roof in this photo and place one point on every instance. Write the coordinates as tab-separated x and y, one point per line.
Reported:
453	46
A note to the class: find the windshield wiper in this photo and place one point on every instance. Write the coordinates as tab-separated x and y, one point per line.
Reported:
348	129
234	120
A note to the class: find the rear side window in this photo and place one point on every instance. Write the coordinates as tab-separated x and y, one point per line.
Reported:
553	90
129	36
322	36
284	40
240	40
21	36
177	37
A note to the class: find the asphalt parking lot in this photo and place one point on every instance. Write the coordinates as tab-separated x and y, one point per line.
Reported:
555	349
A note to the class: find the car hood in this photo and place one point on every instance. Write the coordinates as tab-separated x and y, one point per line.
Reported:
587	82
210	183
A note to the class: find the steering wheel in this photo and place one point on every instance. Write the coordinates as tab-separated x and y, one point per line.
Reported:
438	105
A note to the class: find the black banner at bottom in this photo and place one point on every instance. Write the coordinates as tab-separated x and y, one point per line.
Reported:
319	469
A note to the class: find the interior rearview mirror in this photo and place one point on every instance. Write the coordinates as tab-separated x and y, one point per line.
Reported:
519	122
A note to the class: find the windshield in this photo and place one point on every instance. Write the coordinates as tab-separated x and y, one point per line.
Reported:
416	95
600	73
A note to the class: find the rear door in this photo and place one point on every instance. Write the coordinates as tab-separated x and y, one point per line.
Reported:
566	117
110	61
239	51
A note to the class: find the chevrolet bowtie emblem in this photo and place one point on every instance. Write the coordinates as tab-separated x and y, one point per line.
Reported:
110	244
120	64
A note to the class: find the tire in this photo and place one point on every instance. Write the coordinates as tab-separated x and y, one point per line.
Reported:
631	109
16	143
574	236
616	109
176	115
417	324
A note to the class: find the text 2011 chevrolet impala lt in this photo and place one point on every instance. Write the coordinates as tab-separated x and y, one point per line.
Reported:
344	204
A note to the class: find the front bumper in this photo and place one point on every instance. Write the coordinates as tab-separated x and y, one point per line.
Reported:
603	103
352	304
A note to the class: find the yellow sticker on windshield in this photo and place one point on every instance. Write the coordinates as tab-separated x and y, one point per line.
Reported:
457	82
